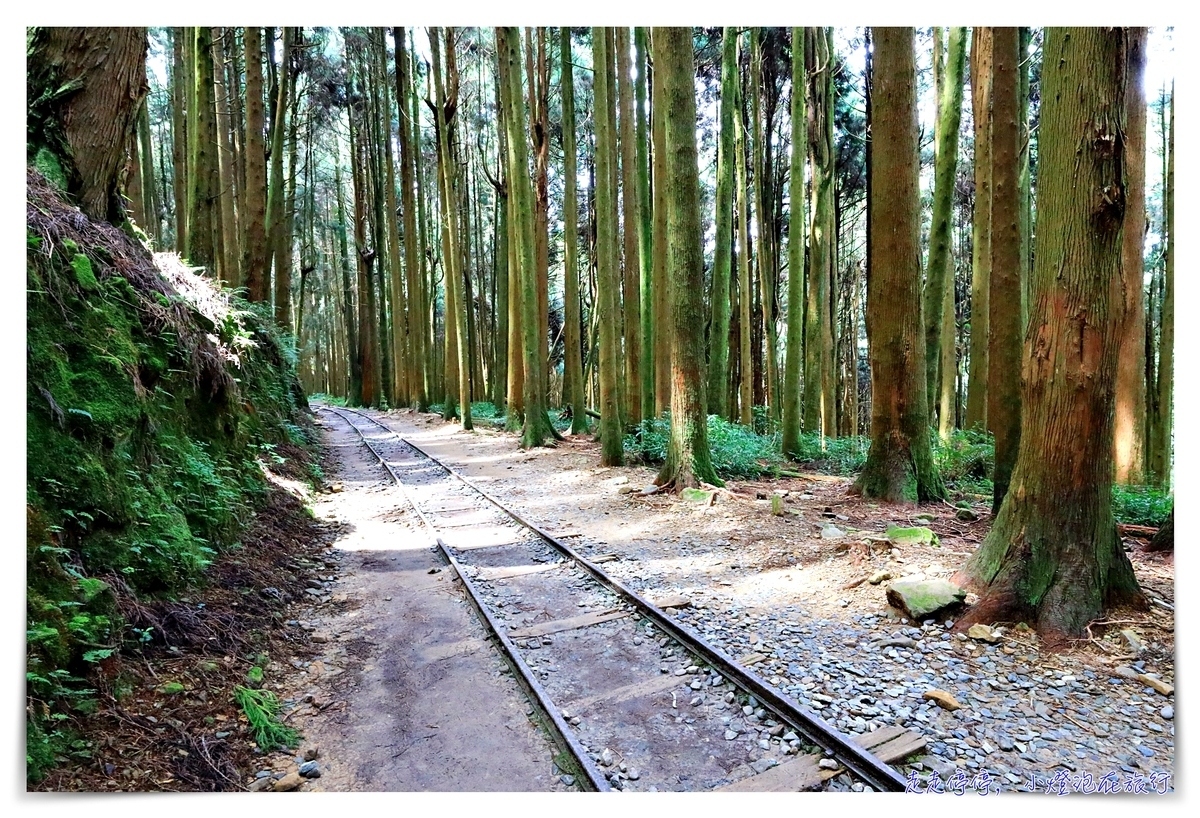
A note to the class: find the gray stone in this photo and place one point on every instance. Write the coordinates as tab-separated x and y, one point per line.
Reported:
763	764
310	769
923	598
1167	712
827	764
569	780
831	532
730	735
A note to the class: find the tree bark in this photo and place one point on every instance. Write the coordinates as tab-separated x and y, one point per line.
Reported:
1004	300
899	465
662	285
537	427
180	71
1129	431
939	274
818	318
649	361
255	253
418	396
572	362
230	274
765	258
718	335
612	445
631	223
276	219
688	458
1053	556
745	294
793	361
1165	387
981	105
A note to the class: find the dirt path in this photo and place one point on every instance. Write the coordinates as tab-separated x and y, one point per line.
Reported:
408	694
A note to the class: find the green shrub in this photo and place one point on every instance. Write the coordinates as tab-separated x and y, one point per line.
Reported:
1141	505
262	710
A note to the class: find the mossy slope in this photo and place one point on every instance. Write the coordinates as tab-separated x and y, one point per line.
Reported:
151	397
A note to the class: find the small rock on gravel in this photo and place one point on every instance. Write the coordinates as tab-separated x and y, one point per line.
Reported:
943	698
310	769
730	735
1167	712
569	780
288	783
312	752
827	764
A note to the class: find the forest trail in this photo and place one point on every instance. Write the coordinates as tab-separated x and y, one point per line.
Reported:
785	586
404	658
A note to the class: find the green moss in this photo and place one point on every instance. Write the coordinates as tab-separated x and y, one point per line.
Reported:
49	166
917	535
143	443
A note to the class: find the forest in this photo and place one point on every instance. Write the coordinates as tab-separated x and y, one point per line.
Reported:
931	267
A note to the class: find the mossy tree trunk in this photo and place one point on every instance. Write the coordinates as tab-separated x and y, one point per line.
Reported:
718	335
1129	431
230	274
368	325
939	273
152	207
793	360
537	427
180	73
765	257
573	362
515	396
819	402
688	458
745	294
349	314
1053	556
612	445
899	465
981	105
1004	300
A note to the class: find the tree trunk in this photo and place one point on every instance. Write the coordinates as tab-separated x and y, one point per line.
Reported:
150	202
415	314
649	361
1004	300
1129	431
255	254
606	249
688	458
203	181
899	465
572	361
760	127
1164	540
1161	445
276	227
1053	556
230	273
631	220
818	321
662	286
745	294
981	105
793	362
85	86
180	72
537	427
939	275
718	335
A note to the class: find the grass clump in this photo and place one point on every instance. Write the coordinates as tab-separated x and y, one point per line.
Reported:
262	711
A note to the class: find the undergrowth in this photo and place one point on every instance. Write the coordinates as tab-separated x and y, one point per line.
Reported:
262	711
154	401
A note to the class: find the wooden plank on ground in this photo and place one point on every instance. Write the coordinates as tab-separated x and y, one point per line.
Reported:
798	774
670	601
899	747
574	622
603	558
881	736
751	659
490	574
647	687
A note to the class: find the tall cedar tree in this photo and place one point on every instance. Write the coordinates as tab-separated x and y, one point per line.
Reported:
899	465
572	363
765	255
255	258
819	408
939	272
718	336
745	295
180	73
662	286
793	361
537	427
631	220
1053	556
1129	432
688	458
276	218
416	314
203	181
457	341
1004	302
649	361
612	446
83	110
1160	438
981	105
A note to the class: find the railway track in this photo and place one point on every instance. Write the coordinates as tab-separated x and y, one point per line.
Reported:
637	701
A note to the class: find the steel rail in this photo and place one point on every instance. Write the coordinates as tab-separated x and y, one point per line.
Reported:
564	735
860	762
